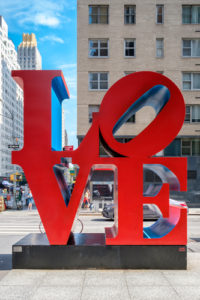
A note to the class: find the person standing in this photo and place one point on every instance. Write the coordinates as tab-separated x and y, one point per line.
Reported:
19	199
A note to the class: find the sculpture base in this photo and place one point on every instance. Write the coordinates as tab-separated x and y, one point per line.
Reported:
88	250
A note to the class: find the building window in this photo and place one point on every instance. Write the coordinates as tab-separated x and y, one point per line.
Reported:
129	47
191	81
98	48
192	174
159	14
92	109
124	140
191	48
160	72
98	81
190	147
129	14
191	14
159	47
187	114
131	119
98	14
192	114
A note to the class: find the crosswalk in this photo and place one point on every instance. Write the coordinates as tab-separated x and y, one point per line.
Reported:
19	222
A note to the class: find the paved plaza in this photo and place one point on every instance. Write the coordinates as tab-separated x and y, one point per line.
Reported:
93	284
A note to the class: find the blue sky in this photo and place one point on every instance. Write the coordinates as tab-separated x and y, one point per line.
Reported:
54	24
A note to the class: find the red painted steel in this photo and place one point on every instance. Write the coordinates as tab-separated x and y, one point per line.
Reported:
37	159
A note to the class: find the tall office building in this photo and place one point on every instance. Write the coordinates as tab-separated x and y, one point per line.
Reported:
30	58
118	37
28	54
11	103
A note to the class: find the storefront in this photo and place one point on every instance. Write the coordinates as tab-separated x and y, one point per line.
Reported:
102	188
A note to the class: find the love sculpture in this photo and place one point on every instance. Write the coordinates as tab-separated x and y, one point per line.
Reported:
121	101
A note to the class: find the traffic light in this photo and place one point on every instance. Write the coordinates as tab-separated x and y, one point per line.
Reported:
18	177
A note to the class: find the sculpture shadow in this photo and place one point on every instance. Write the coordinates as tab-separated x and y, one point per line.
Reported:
102	220
5	261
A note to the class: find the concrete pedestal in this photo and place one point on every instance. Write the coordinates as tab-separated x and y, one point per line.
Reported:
88	250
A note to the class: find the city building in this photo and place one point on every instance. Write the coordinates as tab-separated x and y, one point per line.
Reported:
11	103
118	37
28	54
30	58
65	141
63	129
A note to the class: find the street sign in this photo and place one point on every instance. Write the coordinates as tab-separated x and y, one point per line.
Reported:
13	146
68	148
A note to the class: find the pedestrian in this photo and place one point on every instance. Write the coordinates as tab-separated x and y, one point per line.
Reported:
19	199
30	200
87	199
91	206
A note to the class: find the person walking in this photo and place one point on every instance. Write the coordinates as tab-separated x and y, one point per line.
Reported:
87	199
30	200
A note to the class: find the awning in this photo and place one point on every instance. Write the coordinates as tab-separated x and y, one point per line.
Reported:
6	183
102	175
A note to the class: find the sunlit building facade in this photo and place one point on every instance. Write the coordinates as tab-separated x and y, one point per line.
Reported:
118	37
11	103
28	54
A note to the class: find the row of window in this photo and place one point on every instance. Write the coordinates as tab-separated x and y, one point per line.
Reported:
192	113
186	146
190	147
99	14
7	166
100	47
99	80
95	108
26	50
27	66
5	150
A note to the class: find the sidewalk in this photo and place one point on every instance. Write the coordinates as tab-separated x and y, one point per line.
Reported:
99	284
103	284
88	212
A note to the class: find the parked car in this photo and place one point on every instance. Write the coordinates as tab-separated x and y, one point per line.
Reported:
150	211
108	211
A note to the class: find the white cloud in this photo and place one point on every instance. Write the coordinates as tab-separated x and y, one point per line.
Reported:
49	13
46	20
68	66
52	38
